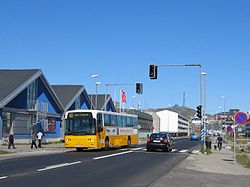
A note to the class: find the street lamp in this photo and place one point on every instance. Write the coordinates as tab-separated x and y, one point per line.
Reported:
94	76
96	84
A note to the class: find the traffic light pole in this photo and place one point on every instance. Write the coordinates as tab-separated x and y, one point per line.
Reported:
116	84
201	97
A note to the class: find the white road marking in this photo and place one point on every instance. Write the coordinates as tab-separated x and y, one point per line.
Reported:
183	151
173	150
125	149
136	149
116	154
4	177
59	165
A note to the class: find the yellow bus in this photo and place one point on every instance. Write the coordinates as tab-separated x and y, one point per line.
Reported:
100	129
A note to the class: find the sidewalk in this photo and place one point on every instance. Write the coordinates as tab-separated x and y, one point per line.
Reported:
23	150
217	169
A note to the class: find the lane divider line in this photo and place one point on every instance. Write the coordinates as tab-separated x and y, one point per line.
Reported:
4	177
59	165
183	151
173	150
125	149
112	155
136	149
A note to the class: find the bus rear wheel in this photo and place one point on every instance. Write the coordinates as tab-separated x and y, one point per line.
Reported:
106	144
129	142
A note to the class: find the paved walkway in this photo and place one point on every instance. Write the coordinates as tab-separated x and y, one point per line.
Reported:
214	170
23	150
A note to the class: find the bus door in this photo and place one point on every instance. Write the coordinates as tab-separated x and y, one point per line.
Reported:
100	130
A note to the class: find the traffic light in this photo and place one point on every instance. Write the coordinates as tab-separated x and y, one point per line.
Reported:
198	112
153	71
139	88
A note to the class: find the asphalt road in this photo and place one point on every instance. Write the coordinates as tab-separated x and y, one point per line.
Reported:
118	167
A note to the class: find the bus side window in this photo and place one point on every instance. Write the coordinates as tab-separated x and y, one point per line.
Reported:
120	121
107	120
113	120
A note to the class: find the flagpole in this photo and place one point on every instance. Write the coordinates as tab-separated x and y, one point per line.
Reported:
120	101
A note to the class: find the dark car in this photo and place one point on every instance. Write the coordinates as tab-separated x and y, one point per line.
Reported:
161	141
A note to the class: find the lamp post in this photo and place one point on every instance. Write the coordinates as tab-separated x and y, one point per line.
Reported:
220	115
94	76
204	107
133	103
224	103
96	85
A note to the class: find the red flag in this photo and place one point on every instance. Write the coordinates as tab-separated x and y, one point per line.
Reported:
124	100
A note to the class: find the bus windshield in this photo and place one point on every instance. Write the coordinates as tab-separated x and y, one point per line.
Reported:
80	124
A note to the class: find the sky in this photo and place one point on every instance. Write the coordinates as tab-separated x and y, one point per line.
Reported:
117	39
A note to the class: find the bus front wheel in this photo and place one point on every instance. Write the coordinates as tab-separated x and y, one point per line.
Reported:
79	149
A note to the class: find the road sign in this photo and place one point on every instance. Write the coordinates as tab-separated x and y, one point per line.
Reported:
240	118
229	129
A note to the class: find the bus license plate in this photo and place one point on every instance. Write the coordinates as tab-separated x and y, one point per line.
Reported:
79	145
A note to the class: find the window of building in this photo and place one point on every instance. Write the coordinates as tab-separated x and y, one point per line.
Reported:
32	90
6	117
78	103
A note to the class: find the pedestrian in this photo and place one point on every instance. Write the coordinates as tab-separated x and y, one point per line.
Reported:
33	140
219	142
39	137
11	141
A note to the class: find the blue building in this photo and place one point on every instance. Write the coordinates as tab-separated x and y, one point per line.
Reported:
28	104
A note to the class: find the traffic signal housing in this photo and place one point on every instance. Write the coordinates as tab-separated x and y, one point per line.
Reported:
139	88
198	112
153	71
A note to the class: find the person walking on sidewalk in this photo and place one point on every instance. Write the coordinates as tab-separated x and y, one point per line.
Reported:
33	140
11	141
39	137
219	142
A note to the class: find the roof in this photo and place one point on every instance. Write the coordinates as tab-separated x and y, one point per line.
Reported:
67	94
101	100
13	82
181	110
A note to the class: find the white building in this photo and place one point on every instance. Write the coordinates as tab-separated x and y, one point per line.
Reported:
171	122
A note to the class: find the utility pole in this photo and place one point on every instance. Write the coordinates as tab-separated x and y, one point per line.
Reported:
153	75
115	84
